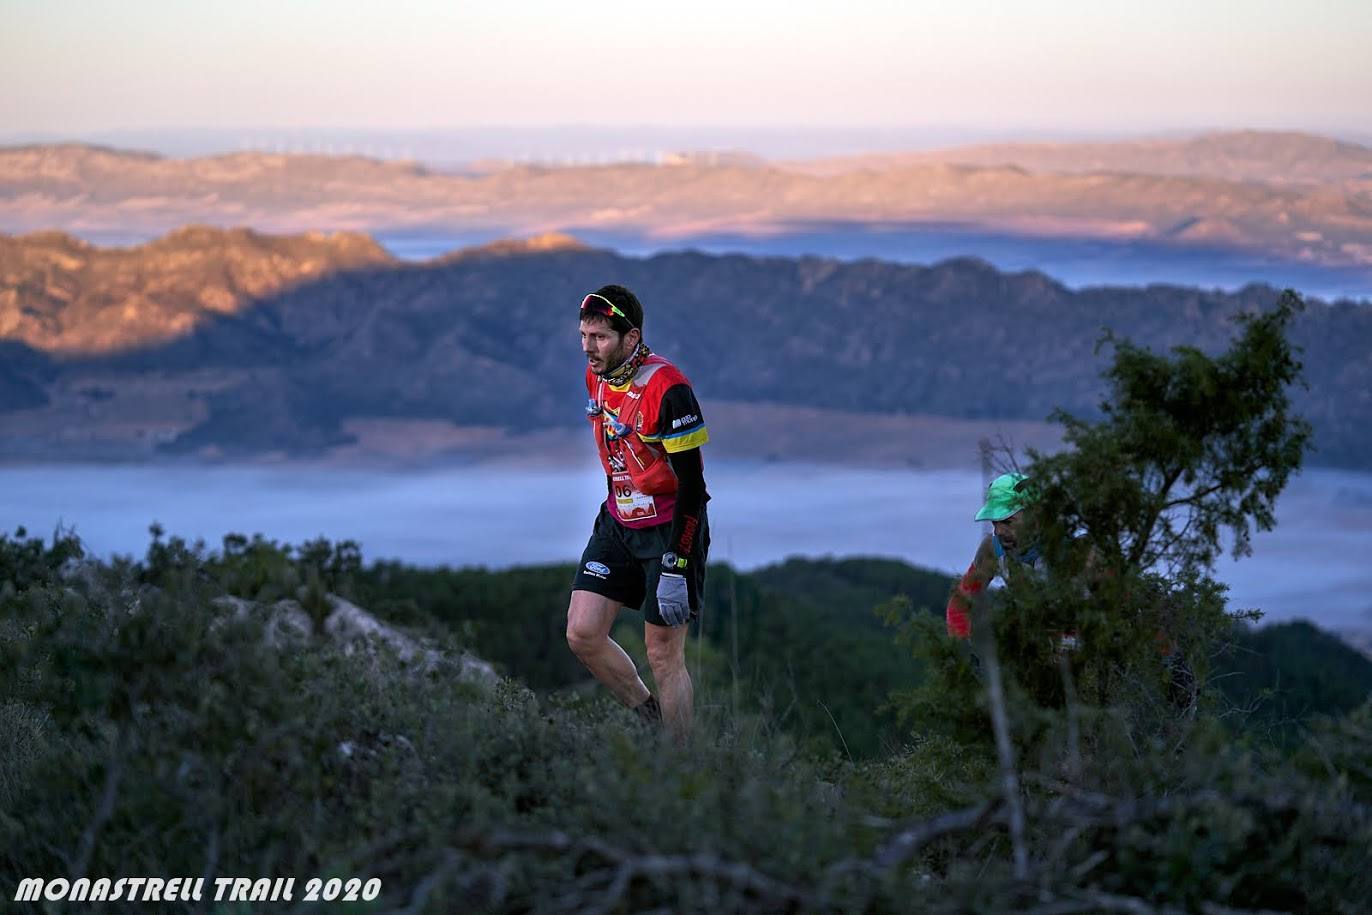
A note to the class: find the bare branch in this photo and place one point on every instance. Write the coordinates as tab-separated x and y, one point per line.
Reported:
1214	908
1112	902
1145	534
621	867
900	847
1191	497
211	861
1000	723
114	773
837	729
1069	689
430	882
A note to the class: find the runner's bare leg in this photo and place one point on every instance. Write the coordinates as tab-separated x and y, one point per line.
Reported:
667	658
589	619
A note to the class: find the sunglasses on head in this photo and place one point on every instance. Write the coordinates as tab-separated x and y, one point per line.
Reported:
598	304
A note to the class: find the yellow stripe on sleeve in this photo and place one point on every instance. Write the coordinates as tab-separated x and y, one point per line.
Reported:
693	439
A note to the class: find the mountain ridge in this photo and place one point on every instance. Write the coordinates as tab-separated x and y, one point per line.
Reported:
431	342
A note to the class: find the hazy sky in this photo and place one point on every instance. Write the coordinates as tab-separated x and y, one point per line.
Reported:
89	65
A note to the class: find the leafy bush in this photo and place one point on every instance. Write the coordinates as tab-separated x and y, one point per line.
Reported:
174	738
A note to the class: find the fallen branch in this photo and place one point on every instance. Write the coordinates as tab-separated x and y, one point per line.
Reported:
114	773
425	887
1113	902
900	847
984	635
622	867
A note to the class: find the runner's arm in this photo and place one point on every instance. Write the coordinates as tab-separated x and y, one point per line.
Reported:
958	613
690	499
681	431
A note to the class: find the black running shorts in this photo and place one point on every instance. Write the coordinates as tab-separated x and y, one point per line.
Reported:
623	564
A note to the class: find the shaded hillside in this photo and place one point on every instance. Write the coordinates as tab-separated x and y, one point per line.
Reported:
100	190
23	376
1287	672
488	338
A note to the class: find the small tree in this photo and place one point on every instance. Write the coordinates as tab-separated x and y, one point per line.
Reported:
1189	448
1131	517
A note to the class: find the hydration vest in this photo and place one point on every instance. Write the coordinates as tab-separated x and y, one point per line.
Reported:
645	463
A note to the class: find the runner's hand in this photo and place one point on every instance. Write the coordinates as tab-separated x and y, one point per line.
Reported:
673	602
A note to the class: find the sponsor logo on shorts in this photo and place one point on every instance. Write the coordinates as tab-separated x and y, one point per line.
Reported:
597	569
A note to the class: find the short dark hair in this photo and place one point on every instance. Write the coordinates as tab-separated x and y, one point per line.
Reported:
626	302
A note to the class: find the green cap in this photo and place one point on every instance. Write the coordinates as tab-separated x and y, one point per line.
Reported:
1006	495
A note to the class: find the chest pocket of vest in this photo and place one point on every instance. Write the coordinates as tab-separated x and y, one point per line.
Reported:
647	465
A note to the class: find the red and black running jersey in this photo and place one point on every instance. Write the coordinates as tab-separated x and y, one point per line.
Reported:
660	416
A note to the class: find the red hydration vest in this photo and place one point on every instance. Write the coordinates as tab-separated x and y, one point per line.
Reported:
642	483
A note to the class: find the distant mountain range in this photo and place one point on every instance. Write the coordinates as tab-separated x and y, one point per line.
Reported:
1296	197
1268	157
220	342
458	147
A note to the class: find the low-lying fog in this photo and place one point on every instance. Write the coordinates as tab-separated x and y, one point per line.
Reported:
1317	564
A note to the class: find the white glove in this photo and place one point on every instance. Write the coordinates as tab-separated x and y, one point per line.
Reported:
673	600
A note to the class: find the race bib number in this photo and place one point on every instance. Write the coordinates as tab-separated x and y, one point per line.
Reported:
630	504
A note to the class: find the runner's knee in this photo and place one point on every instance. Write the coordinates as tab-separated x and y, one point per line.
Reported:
589	618
583	638
666	654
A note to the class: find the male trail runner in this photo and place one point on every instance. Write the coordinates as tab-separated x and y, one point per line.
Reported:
1014	545
650	540
1011	542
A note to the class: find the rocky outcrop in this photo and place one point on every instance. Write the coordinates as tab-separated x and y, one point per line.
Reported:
357	632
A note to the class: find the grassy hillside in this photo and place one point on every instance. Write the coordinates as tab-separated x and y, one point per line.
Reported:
152	731
799	639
